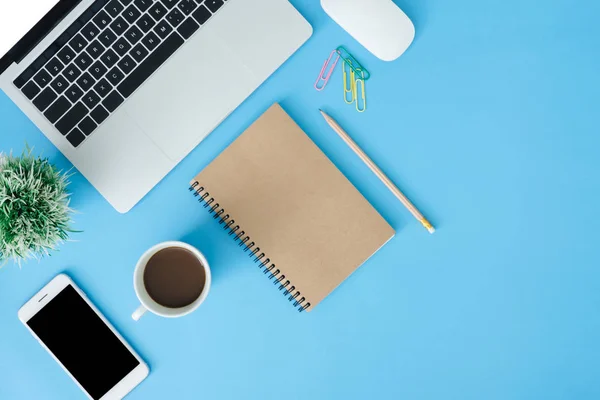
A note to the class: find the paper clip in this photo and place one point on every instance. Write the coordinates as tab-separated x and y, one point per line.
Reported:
349	85
324	76
353	63
359	86
354	75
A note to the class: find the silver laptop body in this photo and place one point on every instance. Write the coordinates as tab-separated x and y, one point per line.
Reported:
176	107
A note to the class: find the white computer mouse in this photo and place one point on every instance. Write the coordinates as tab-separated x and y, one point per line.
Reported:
379	25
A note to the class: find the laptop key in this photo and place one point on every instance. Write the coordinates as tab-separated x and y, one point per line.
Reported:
114	8
102	19
145	23
19	82
74	28
163	29
133	34
112	101
143	5
83	61
24	77
62	39
109	58
115	76
151	41
187	6
44	99
99	114
78	43
107	37
139	52
98	4
150	65
95	49
169	3
175	17
188	28
157	11
86	16
39	63
42	78
131	14
71	73
126	64
74	93
71	118
213	5
31	90
59	84
54	66
91	99
90	31
57	109
51	51
103	87
122	46
76	137
66	55
98	70
202	14
85	81
87	126
119	26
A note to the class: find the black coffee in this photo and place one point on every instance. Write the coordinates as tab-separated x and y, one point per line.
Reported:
174	277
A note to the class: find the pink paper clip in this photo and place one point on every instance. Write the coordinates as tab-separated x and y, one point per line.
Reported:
322	80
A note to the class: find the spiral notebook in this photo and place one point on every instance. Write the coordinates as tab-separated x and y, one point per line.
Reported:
290	209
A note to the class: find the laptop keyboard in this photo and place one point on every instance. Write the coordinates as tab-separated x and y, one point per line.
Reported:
104	56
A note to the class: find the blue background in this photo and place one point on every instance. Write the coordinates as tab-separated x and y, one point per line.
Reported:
489	123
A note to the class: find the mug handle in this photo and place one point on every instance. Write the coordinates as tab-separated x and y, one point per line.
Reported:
137	314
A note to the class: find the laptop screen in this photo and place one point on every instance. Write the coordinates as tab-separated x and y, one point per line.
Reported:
17	17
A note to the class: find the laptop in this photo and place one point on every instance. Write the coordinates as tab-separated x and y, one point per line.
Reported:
125	89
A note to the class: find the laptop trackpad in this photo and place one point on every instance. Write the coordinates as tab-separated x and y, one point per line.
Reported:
190	94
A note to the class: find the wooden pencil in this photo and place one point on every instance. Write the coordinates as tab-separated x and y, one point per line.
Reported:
386	181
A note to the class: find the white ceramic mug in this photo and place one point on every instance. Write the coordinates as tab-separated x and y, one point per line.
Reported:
148	304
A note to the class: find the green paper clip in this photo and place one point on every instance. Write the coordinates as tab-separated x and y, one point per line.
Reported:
357	68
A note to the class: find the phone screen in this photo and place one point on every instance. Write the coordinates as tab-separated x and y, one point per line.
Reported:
83	343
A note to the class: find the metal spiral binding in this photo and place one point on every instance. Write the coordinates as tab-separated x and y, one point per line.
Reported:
294	296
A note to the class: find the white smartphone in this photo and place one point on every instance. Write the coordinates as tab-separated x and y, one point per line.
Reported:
82	341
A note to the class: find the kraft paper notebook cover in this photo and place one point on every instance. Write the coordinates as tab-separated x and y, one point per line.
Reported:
287	205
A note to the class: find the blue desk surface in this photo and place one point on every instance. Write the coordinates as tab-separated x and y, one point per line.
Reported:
489	123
